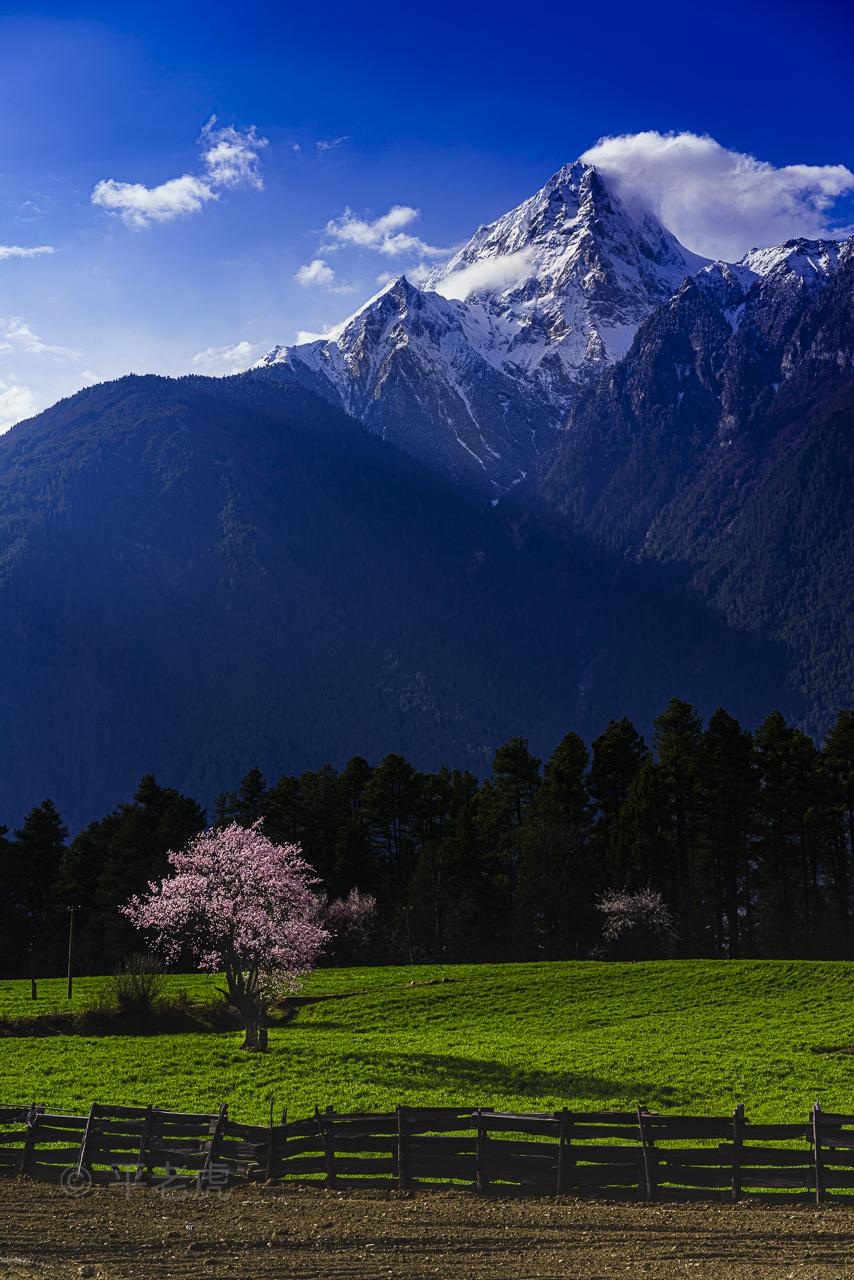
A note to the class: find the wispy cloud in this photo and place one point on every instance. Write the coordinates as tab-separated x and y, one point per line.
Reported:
329	144
382	235
490	274
224	360
16	403
230	159
718	202
319	274
21	251
19	335
308	335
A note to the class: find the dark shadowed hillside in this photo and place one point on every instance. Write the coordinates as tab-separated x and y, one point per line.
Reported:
196	573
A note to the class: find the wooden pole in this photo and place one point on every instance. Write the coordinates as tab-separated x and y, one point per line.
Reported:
144	1139
84	1141
29	1140
482	1177
737	1146
33	987
271	1149
402	1164
70	983
328	1149
646	1145
816	1151
212	1147
561	1151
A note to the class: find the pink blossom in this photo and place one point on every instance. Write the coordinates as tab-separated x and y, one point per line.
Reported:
240	904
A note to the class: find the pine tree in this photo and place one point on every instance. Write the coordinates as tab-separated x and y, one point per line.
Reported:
116	857
616	758
728	798
677	742
36	856
557	880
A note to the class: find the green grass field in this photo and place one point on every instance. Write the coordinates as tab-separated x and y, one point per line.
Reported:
675	1035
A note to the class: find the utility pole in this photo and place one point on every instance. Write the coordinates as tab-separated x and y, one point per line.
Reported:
33	988
70	950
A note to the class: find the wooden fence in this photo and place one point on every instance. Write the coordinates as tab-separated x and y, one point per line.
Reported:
629	1154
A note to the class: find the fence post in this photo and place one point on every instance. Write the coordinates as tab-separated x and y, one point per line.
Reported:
328	1149
402	1163
271	1147
29	1139
144	1138
211	1146
562	1144
84	1141
737	1145
816	1151
482	1181
648	1158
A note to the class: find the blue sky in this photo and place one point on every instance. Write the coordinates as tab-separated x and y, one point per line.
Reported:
168	249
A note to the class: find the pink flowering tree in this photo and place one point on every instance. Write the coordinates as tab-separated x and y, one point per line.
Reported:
351	922
637	926
242	906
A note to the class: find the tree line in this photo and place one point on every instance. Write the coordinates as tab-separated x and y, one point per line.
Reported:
744	839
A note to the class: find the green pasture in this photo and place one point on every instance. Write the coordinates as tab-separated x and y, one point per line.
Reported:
676	1035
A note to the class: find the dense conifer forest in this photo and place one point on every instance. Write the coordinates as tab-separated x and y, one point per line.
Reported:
744	839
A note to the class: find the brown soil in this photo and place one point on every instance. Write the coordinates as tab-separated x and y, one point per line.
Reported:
266	1232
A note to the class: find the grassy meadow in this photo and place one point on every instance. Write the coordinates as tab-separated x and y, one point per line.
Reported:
675	1035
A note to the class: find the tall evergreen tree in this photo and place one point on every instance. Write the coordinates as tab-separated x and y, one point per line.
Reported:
36	856
116	857
677	741
728	799
246	805
616	758
557	880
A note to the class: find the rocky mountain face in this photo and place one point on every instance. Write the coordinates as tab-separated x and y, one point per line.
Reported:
474	372
721	447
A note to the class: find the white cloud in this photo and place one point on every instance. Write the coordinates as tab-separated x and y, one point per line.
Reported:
18	251
16	403
319	273
226	359
718	202
230	155
230	158
306	335
383	235
490	274
315	272
418	274
140	205
329	144
19	334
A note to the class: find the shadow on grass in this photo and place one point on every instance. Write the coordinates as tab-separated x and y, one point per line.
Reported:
475	1081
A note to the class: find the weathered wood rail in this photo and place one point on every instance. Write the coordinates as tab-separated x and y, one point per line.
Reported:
629	1154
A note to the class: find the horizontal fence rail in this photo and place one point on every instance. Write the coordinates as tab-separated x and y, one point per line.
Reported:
636	1154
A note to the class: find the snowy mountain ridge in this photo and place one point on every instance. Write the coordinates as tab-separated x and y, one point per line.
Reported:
476	370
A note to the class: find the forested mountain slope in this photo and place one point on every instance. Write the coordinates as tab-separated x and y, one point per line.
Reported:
197	573
721	447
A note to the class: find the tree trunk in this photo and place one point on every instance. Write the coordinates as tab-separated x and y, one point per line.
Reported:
254	1015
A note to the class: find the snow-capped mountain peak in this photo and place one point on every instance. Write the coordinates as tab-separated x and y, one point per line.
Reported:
475	369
